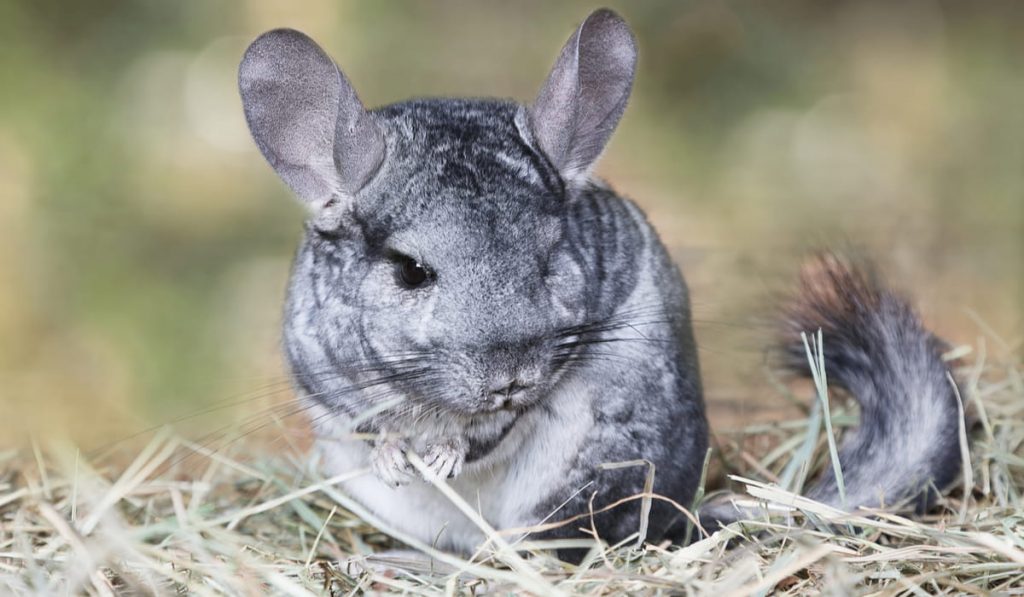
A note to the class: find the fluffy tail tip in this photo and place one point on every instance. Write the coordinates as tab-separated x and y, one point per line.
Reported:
877	350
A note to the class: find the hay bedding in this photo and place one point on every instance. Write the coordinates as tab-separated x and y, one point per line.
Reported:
181	518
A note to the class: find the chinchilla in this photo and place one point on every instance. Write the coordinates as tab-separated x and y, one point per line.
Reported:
466	291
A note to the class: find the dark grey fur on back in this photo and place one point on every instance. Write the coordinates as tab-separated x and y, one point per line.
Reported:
467	292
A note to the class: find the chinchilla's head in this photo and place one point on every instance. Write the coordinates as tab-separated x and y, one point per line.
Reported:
439	239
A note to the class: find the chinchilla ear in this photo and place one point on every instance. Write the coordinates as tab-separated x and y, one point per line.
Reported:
585	94
307	119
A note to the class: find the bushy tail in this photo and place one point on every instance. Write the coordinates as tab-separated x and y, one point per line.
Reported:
878	351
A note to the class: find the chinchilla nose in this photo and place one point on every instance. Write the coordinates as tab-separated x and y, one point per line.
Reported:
514	373
505	389
508	393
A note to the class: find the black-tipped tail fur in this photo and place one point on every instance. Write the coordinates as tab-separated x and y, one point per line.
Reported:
876	350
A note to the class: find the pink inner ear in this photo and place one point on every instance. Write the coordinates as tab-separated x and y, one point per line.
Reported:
586	92
306	118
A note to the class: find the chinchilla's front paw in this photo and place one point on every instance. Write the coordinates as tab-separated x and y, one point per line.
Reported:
445	458
389	462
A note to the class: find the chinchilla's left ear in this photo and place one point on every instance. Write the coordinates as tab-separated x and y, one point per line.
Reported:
585	94
307	120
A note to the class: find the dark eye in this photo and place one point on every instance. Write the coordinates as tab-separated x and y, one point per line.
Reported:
412	272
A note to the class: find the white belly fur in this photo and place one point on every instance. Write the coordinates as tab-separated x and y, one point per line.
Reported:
504	486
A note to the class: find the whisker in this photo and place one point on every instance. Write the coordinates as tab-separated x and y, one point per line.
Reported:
104	449
258	421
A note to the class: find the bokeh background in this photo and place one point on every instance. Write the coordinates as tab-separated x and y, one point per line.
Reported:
145	244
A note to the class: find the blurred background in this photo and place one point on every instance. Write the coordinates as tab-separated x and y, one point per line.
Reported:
145	244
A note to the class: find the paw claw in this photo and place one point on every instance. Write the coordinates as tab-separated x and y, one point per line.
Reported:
390	464
445	459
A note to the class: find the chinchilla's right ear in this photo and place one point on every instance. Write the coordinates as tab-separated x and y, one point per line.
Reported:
307	119
586	92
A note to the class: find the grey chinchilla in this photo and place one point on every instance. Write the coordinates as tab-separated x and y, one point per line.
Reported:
467	292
